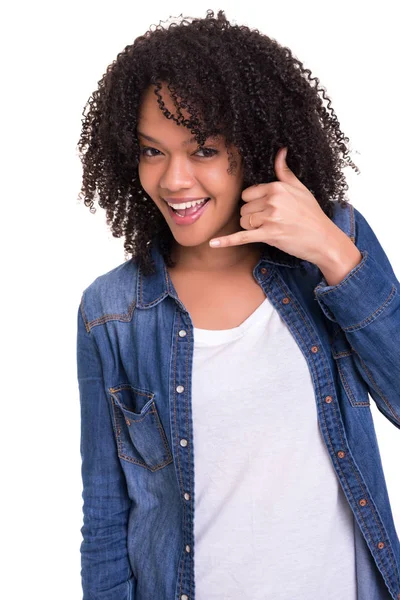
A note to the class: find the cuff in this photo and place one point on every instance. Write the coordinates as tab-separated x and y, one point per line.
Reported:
359	298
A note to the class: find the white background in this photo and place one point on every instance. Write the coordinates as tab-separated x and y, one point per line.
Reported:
53	55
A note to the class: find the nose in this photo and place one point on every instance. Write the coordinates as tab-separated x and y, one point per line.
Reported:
177	175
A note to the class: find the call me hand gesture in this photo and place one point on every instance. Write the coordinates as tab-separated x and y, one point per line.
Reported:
286	215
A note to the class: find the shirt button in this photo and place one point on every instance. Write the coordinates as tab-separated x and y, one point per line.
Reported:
183	443
314	349
184	597
264	271
340	454
180	389
186	496
363	502
286	301
187	548
381	545
182	333
328	399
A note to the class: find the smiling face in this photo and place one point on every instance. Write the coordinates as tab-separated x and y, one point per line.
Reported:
173	166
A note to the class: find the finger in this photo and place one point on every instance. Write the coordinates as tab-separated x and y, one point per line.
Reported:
254	192
236	239
265	190
260	205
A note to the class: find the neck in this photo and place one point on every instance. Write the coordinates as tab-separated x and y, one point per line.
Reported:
206	259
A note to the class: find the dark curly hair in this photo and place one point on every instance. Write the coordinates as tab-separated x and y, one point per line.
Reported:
233	81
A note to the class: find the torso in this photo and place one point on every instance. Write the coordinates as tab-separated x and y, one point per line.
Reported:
221	300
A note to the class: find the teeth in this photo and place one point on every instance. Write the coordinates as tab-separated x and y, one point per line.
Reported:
186	204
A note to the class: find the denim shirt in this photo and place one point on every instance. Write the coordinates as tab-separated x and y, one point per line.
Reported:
134	363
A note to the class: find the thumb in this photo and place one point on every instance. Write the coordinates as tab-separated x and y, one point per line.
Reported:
283	172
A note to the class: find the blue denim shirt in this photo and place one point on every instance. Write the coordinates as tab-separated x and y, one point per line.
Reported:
134	359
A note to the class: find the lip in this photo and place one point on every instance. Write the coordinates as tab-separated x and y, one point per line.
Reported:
188	220
181	200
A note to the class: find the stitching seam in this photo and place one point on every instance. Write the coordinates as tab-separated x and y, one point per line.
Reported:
377	389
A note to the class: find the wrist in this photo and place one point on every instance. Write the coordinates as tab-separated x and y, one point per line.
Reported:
339	260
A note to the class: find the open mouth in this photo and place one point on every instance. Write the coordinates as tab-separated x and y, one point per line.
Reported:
192	210
187	216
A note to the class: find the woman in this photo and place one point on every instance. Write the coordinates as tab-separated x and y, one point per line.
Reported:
228	448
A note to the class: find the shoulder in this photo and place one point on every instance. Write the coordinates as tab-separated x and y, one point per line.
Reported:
352	221
356	226
110	295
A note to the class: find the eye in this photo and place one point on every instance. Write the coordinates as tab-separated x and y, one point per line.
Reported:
144	149
209	152
148	152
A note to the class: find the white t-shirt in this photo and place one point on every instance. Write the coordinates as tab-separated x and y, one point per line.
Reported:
271	520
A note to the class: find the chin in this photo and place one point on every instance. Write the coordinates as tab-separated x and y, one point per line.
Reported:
190	241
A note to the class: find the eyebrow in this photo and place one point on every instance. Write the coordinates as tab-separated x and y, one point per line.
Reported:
186	143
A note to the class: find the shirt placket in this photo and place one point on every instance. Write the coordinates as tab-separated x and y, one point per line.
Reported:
182	435
330	420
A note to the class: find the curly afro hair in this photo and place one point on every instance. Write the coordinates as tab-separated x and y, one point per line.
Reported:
233	81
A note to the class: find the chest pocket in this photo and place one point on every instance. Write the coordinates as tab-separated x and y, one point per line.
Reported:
355	387
138	429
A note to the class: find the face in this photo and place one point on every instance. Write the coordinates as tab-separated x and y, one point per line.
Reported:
173	167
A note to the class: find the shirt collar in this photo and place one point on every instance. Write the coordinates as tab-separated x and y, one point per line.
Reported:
153	288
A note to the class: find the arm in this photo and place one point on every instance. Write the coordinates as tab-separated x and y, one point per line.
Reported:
366	305
106	572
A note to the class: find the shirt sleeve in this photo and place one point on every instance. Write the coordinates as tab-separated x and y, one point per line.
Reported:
105	569
366	305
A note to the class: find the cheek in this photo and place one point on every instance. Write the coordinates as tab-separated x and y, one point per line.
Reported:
220	182
145	178
230	188
141	171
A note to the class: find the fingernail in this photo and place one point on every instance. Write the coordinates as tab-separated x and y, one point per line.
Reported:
215	243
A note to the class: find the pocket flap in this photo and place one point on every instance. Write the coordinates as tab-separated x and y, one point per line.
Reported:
139	432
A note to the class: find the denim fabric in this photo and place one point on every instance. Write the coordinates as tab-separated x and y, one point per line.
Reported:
134	359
